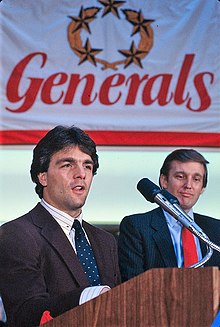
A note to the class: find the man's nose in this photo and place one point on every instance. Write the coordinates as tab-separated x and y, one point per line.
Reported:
79	172
188	183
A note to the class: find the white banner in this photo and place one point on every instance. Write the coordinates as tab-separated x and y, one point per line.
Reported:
128	72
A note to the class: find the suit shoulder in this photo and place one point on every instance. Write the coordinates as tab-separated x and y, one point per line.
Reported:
210	226
14	224
141	218
25	218
207	219
21	229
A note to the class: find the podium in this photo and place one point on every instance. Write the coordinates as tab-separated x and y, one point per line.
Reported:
166	297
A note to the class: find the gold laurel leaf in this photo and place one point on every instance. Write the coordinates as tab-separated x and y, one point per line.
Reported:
91	12
132	15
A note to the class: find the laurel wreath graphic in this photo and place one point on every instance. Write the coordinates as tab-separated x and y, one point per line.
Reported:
133	55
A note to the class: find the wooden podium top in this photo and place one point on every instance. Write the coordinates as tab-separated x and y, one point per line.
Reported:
168	297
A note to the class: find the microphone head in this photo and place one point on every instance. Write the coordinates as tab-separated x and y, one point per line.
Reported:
148	189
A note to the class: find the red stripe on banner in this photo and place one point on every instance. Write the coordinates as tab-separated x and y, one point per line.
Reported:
120	138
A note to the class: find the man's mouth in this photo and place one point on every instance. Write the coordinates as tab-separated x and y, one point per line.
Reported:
78	188
186	195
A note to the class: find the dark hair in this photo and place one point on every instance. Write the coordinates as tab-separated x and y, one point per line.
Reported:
185	155
55	140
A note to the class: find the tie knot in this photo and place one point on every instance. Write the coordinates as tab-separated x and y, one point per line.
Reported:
76	225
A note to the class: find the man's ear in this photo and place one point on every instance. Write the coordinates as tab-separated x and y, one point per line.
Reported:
163	181
42	177
202	190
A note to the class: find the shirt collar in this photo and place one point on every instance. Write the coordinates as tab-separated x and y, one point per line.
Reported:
171	221
63	219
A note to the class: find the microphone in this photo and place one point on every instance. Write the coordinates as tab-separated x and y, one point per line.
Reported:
168	202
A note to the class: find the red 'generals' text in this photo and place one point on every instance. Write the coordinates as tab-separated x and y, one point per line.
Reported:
43	87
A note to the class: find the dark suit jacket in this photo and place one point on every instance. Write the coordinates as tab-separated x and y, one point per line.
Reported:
145	242
40	271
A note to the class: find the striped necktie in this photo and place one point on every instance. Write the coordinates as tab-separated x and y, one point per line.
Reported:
189	248
85	255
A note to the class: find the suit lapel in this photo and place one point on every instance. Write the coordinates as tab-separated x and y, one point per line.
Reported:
53	233
163	239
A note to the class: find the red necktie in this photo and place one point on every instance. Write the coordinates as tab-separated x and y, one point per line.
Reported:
189	248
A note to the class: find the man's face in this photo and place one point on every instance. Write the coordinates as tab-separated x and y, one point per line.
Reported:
185	182
68	180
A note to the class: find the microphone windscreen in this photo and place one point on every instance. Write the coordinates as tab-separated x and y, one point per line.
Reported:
148	189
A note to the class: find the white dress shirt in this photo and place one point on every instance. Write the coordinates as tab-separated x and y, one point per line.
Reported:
65	221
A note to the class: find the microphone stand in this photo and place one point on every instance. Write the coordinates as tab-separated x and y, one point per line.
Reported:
176	211
209	246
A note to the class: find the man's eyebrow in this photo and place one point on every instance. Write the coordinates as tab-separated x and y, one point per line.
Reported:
67	159
183	172
88	161
71	160
179	172
198	174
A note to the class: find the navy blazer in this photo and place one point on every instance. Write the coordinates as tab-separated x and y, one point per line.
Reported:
40	271
145	242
